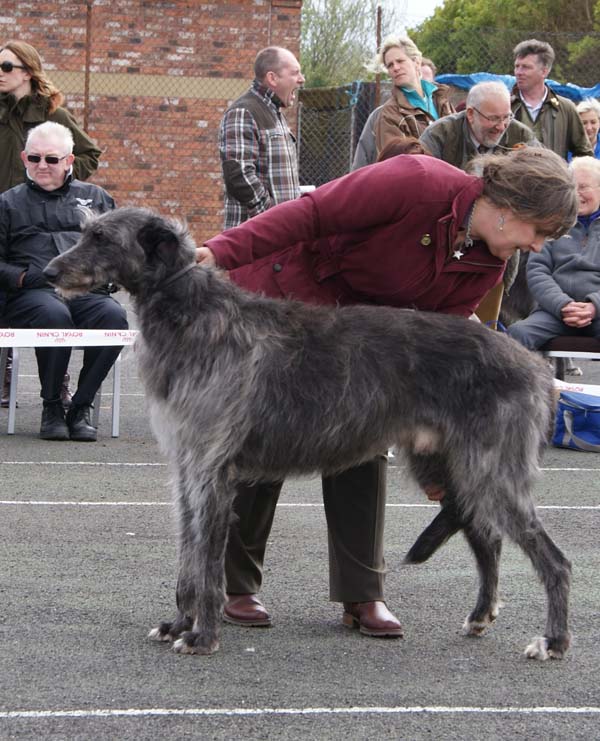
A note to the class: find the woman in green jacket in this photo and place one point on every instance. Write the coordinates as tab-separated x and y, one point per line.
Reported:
28	98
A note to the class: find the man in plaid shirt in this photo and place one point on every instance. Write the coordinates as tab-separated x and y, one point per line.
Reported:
257	148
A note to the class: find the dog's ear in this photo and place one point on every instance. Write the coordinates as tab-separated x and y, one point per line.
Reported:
157	234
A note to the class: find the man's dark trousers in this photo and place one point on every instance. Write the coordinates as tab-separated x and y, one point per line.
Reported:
42	308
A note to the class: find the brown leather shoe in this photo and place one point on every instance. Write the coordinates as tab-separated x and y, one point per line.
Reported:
246	610
372	619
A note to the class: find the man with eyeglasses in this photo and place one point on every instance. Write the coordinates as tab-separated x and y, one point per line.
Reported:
486	125
553	119
40	219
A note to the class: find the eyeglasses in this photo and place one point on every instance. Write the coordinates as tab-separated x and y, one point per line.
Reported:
9	66
495	120
586	188
49	159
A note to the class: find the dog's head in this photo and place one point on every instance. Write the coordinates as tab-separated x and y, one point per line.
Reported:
166	243
130	247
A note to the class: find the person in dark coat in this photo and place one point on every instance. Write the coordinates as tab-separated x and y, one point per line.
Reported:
40	219
27	99
552	118
486	125
411	232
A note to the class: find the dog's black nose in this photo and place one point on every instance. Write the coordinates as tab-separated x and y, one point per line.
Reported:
50	273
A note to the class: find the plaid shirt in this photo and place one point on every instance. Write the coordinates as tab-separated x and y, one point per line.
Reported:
258	156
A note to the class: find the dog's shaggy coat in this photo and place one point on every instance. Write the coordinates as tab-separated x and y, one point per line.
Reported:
244	388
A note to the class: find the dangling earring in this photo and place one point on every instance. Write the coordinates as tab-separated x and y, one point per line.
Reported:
501	223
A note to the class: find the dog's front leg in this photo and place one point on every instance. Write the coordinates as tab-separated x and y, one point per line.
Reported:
170	630
201	593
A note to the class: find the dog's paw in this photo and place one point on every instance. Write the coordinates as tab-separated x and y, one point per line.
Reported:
192	643
162	633
476	626
543	648
169	630
538	649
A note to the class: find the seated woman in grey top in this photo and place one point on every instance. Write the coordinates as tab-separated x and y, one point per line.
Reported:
564	278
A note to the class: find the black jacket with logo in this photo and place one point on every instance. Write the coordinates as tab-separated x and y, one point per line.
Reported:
36	224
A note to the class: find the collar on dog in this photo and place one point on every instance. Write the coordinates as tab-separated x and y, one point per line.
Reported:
179	273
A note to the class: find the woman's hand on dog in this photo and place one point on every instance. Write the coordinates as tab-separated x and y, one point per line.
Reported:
205	257
434	492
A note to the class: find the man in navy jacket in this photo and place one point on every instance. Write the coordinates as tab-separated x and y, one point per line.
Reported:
38	220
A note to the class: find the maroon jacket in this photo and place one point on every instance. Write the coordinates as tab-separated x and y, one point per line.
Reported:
383	234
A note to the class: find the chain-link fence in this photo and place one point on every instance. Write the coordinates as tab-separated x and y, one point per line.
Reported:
331	119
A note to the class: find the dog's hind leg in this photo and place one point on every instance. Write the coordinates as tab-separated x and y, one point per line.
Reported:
554	571
486	547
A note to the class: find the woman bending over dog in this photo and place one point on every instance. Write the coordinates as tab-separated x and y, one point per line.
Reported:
411	232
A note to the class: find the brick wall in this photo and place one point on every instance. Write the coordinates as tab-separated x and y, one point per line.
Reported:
160	76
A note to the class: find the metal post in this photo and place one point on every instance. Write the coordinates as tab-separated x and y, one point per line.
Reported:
88	56
378	75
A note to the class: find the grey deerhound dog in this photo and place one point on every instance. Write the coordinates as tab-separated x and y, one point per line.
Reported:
245	388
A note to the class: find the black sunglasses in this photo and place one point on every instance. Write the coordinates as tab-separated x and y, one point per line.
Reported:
9	66
50	159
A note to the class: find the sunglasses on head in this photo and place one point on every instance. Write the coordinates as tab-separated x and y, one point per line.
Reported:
49	159
9	66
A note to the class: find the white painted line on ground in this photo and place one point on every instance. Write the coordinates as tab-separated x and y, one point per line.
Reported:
308	505
36	394
81	463
212	712
43	503
551	470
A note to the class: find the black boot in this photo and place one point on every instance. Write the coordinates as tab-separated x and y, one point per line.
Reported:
54	426
80	426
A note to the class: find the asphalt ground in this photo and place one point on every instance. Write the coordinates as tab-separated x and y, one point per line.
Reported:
88	567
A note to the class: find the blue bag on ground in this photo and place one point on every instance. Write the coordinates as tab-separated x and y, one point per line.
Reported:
577	422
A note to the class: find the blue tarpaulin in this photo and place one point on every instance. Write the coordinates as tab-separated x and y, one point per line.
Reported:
466	82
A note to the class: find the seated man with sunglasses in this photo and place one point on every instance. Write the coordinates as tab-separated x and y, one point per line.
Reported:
486	125
38	220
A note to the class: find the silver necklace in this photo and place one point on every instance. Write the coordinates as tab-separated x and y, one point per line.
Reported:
468	243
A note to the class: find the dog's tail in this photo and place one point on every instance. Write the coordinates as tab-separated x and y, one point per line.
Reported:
446	524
